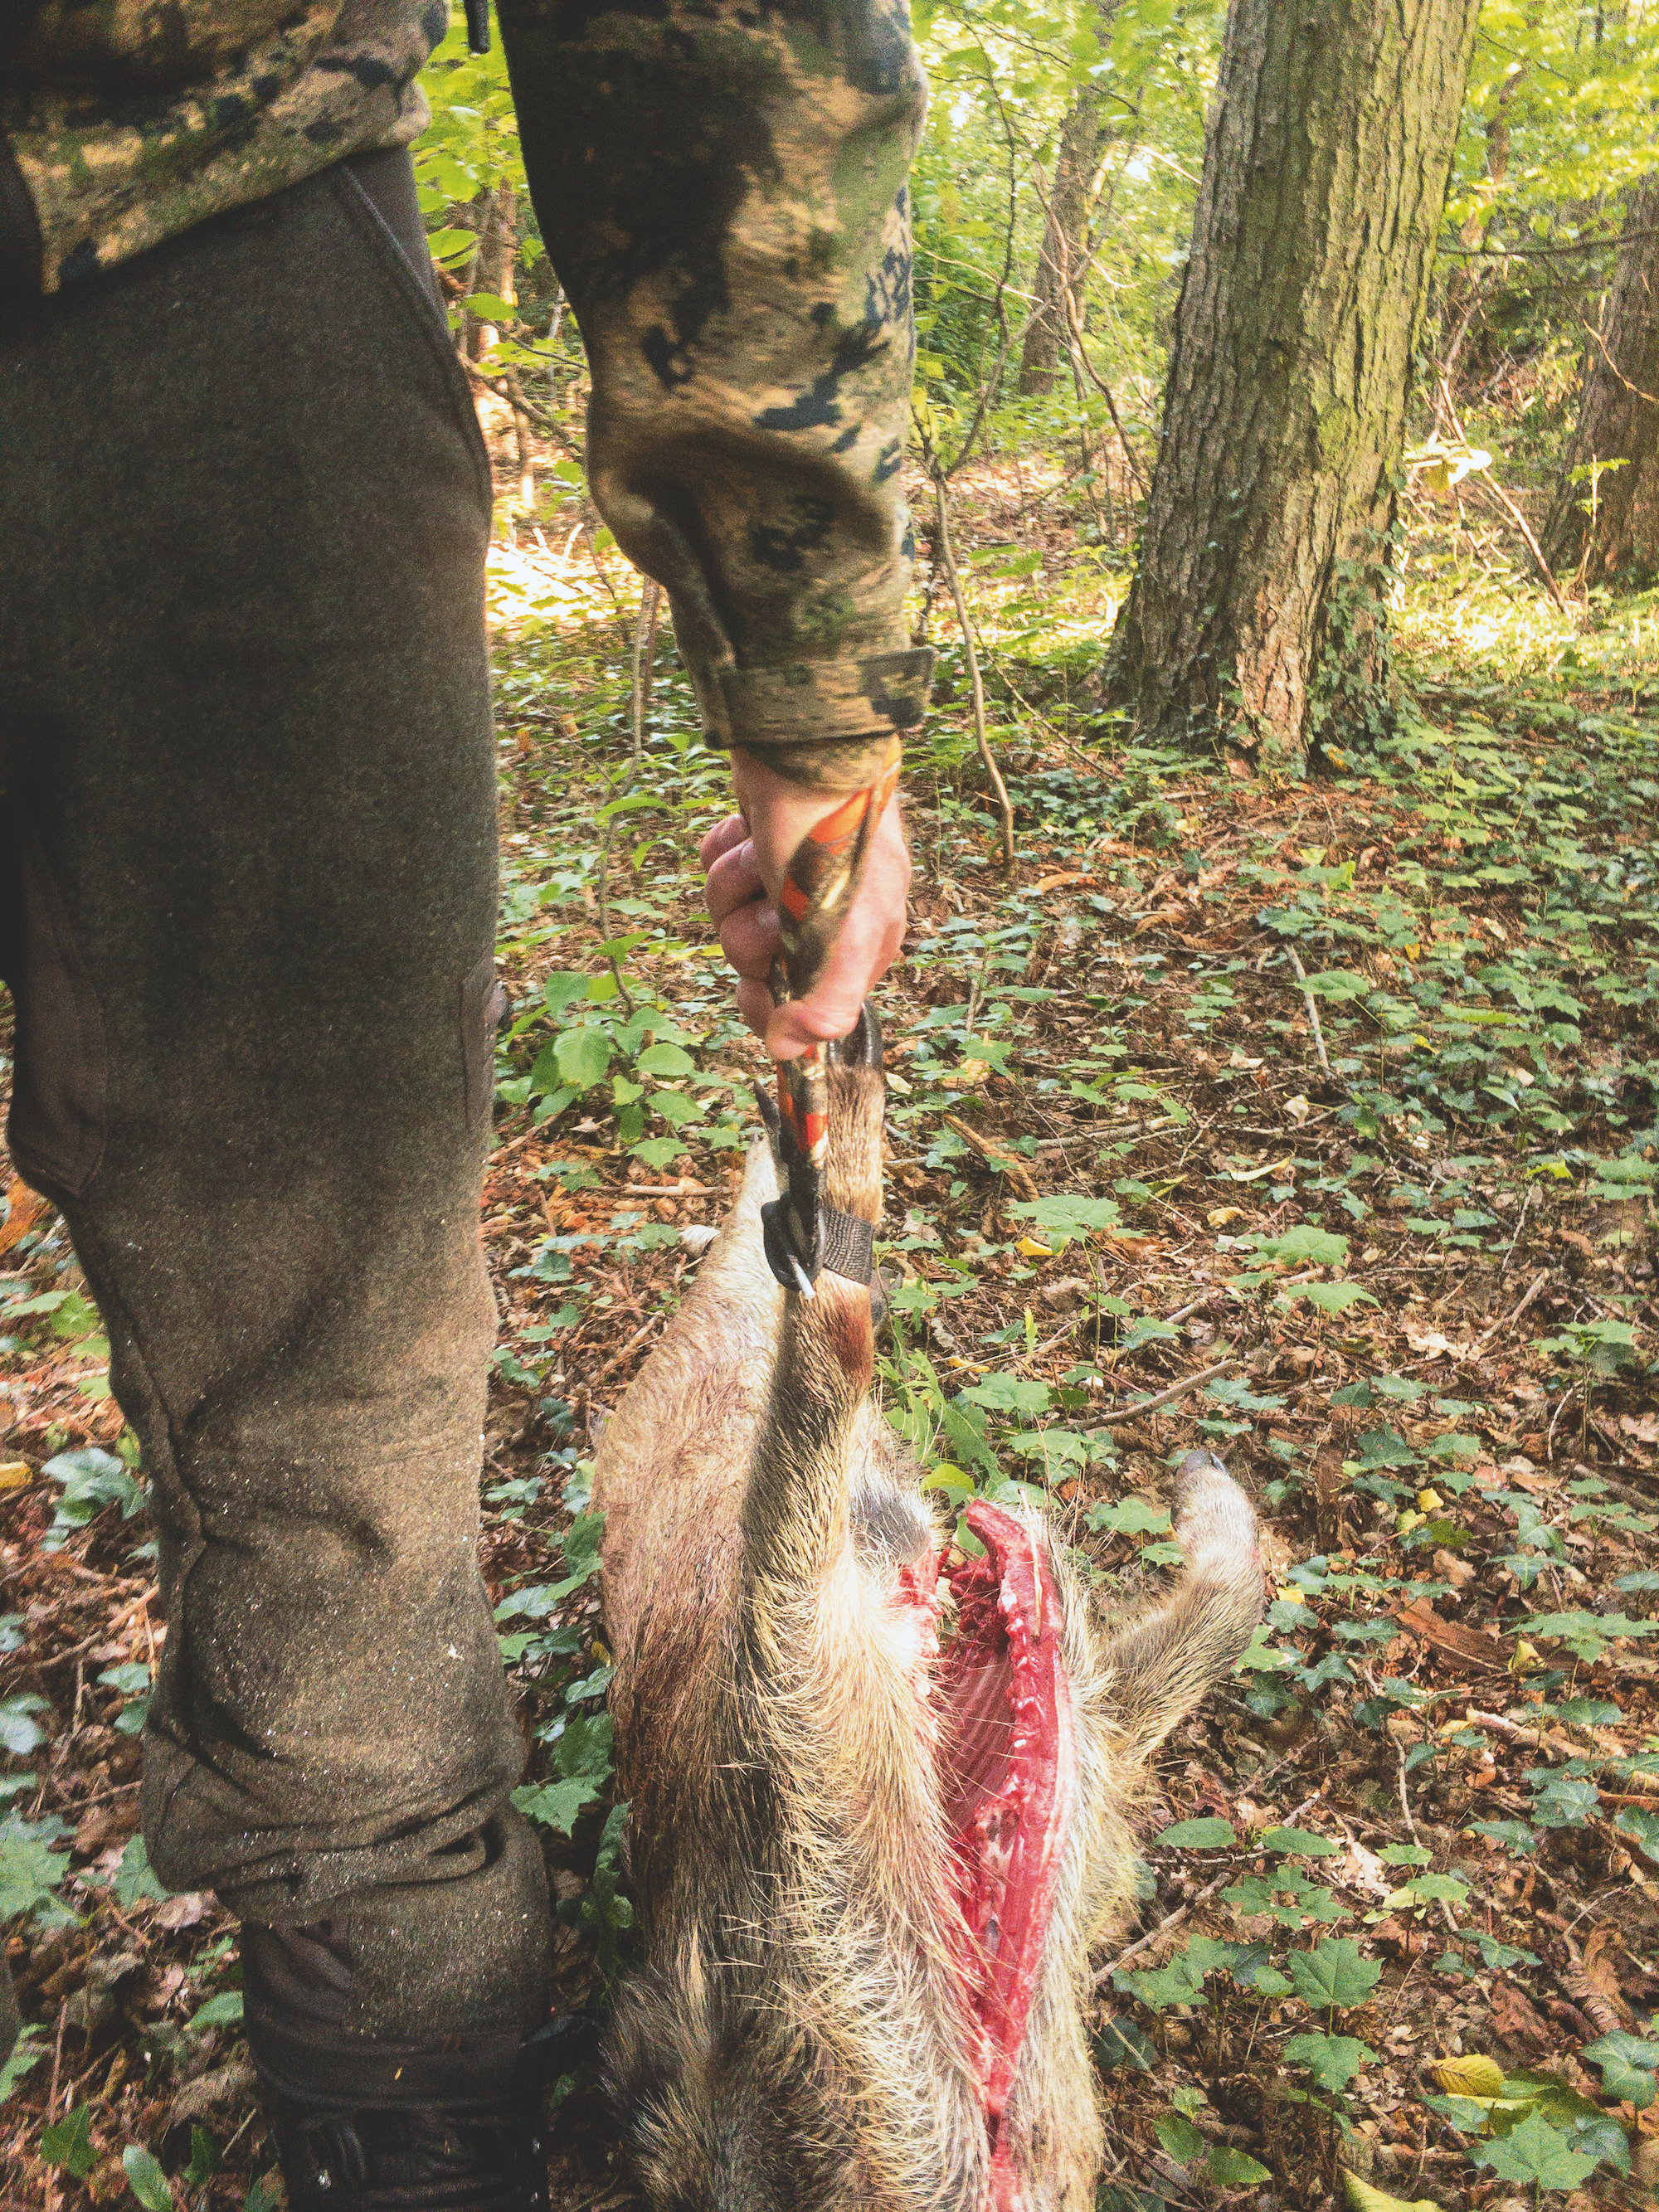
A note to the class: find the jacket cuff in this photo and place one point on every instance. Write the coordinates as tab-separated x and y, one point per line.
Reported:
822	702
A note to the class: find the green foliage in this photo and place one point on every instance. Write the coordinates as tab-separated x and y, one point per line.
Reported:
1332	2060
91	1481
1535	2154
31	1869
1334	1976
67	2144
1065	1218
1629	2064
146	2179
1204	1835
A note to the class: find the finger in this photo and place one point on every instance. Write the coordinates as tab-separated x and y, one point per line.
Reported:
868	944
755	1005
831	1009
734	880
752	940
721	838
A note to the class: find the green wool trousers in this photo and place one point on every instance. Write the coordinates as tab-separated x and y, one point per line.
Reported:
247	887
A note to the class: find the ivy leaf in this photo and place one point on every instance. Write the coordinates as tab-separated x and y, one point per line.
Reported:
135	1880
19	1730
1334	1976
224	2011
555	1804
1180	1980
1536	2155
1332	2060
1629	2064
30	1869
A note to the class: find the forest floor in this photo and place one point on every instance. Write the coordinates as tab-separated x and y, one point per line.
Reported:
1315	1120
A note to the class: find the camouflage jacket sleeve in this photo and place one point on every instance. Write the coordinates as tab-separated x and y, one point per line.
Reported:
720	185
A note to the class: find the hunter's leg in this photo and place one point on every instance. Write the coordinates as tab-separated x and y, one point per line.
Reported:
250	808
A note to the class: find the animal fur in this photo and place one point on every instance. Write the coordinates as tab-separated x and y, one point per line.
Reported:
797	2034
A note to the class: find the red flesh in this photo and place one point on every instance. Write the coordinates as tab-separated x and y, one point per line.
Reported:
1006	1769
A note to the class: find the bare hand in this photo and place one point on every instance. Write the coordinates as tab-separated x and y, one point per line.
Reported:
745	857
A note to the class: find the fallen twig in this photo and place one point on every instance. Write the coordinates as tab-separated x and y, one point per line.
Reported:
976	680
1313	1009
1539	1282
1168	1397
1005	1163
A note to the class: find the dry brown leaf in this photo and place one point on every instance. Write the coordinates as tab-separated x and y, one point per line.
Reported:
1421	1619
1516	2018
23	1209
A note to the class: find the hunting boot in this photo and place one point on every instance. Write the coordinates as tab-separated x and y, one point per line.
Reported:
450	2125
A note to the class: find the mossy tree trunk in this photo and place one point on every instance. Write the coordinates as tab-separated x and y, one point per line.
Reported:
1258	612
1065	244
1609	518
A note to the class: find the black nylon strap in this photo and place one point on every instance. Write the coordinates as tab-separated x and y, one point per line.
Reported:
846	1244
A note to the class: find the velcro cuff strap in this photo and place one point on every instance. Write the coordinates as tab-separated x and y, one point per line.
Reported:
846	1245
825	702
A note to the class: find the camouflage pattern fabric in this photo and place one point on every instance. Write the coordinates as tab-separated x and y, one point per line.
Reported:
720	185
129	120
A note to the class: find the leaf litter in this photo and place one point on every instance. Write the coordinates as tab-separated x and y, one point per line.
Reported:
1314	1121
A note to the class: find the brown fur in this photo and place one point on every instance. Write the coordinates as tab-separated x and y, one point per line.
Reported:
793	2036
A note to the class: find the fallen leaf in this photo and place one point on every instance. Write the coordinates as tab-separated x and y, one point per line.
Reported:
23	1209
1421	1619
1474	2075
1363	1869
1219	1215
1028	1247
970	1073
16	1474
187	1910
1366	2196
1643	1427
1055	883
1429	1344
1515	2017
1298	1109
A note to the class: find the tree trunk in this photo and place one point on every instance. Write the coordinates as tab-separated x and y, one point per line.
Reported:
1064	248
1258	613
493	263
1617	421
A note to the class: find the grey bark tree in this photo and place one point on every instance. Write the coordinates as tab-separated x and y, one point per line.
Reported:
1257	611
1609	518
1065	243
